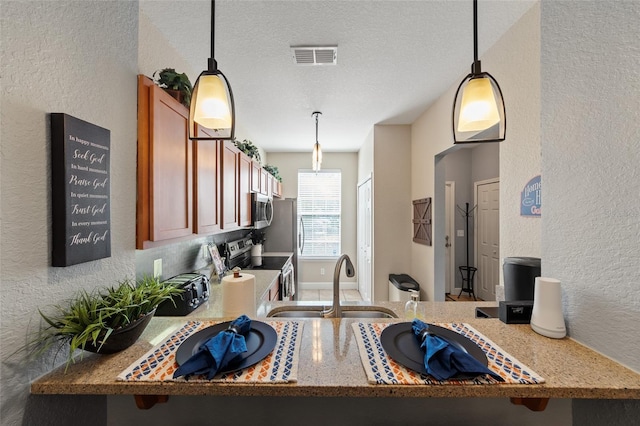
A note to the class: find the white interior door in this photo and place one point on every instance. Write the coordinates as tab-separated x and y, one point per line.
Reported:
450	209
364	240
487	238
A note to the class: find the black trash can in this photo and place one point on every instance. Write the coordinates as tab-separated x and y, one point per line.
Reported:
519	277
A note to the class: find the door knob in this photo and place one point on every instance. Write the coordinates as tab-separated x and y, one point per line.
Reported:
446	237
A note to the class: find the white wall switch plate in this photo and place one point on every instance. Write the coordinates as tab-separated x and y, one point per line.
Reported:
460	233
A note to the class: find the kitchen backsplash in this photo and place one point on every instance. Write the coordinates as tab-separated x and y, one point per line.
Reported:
182	257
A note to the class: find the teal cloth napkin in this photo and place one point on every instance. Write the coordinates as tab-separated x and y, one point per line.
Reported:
443	360
217	352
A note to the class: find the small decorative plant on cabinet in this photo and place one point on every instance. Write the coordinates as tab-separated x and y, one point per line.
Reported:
273	170
248	148
175	83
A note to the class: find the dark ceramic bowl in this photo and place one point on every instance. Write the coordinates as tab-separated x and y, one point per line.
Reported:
123	337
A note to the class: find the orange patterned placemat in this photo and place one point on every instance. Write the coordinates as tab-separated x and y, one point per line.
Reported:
280	366
381	369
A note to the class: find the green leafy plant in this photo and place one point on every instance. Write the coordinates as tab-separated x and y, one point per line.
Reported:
90	318
257	236
169	78
248	148
274	171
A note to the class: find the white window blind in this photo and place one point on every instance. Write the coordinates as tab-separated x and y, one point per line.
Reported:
319	207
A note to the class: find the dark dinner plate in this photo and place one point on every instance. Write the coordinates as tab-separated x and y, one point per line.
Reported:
400	343
260	341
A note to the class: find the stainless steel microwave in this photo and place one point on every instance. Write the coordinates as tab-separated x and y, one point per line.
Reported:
261	210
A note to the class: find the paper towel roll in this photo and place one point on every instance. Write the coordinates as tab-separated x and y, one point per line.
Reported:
239	295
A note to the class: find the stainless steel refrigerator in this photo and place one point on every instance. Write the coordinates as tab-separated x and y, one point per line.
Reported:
283	233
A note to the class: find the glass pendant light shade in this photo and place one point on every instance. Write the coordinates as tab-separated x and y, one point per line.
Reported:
478	112
212	107
316	160
317	157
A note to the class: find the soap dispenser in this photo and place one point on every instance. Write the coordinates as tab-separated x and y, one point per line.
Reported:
411	309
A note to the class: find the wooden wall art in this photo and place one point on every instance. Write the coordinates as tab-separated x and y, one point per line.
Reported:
422	221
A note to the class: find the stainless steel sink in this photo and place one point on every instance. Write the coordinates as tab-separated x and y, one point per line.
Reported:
347	312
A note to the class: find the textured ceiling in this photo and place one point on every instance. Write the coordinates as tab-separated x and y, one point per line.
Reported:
394	59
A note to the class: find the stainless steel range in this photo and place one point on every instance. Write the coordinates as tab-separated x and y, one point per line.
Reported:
238	254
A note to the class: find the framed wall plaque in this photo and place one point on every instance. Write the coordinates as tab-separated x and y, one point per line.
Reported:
80	182
422	221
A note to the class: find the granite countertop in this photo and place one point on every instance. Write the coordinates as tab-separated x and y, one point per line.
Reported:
330	365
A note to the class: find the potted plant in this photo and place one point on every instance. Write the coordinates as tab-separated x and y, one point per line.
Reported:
174	83
102	321
258	238
274	171
248	148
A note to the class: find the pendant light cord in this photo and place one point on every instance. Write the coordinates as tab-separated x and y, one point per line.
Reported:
475	31
213	25
212	63
475	67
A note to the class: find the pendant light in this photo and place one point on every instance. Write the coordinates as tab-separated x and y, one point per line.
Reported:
478	108
317	151
212	106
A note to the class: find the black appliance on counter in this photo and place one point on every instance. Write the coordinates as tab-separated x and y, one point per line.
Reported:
238	254
196	289
520	276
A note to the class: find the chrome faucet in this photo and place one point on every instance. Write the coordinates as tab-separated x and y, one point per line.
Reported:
336	311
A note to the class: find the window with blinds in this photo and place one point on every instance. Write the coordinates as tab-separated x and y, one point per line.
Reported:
319	207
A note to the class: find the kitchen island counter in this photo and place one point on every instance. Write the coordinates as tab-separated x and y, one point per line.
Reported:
330	365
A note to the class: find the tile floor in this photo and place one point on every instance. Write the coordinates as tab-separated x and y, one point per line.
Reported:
314	295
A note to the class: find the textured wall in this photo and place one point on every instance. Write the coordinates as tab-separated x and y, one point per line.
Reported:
79	58
156	52
392	206
517	60
591	151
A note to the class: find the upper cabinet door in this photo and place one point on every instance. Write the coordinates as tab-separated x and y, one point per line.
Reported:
206	184
255	176
264	182
165	168
229	190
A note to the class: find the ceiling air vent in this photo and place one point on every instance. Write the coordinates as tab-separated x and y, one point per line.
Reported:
315	55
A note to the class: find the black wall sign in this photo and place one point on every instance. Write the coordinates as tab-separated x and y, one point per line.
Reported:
80	180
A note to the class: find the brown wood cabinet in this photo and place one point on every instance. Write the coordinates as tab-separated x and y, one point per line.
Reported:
276	187
244	189
264	181
256	172
206	183
165	161
273	293
229	173
188	188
